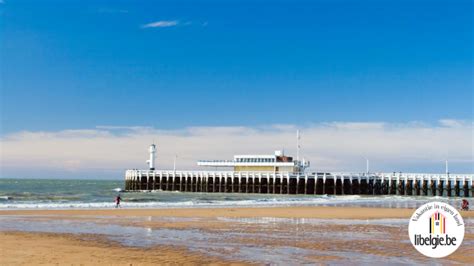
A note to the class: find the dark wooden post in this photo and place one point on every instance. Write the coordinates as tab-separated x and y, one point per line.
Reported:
440	187
466	188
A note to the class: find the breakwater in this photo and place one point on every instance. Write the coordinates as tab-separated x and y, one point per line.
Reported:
411	184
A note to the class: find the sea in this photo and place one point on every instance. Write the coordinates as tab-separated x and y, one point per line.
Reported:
100	194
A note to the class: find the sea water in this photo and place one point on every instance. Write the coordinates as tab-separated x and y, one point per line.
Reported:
100	194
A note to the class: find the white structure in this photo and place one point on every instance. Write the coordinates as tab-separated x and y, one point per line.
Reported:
151	161
278	163
297	145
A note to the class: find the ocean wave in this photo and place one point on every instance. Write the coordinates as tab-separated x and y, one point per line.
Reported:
325	200
6	198
41	196
104	198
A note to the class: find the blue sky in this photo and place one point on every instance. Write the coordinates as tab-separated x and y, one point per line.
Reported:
86	86
79	64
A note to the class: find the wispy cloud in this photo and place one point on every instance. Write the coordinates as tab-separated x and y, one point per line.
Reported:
161	24
334	146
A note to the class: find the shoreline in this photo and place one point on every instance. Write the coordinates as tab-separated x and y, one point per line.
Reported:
321	212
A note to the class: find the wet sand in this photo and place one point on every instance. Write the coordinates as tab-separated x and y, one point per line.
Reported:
278	212
19	248
285	235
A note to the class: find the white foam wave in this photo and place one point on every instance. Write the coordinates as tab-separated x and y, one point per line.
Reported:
349	200
191	203
5	198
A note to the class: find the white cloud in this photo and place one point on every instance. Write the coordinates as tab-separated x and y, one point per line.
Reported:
451	123
161	24
335	146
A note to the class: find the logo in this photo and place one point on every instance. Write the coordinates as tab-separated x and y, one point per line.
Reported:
436	229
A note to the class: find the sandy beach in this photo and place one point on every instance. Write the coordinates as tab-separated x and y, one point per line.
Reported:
214	236
67	249
279	212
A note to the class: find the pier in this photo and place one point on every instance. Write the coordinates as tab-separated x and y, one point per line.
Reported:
281	174
409	184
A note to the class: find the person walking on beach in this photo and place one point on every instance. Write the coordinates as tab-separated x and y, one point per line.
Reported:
465	205
117	201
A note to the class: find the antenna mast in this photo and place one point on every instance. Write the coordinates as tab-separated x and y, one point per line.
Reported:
174	162
297	144
367	166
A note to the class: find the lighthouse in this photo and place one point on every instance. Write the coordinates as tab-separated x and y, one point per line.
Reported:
151	161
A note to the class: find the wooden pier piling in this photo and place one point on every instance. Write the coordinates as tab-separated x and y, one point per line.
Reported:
393	187
417	188
457	189
425	187
401	187
465	189
440	188
409	188
433	188
448	188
